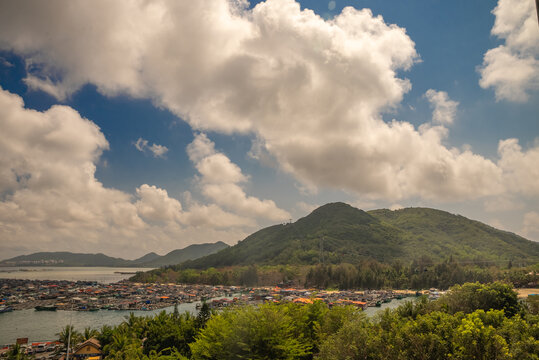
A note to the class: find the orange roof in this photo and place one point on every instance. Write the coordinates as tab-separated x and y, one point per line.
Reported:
352	302
303	301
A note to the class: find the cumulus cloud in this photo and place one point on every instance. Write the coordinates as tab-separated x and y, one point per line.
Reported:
502	204
512	69
156	205
310	90
50	198
444	109
520	168
306	208
157	150
531	225
220	179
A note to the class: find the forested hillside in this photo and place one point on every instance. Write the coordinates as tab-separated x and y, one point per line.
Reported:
339	233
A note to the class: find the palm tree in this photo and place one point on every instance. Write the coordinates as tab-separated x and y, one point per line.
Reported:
64	335
88	333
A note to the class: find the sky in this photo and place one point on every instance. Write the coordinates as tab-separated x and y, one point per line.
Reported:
137	126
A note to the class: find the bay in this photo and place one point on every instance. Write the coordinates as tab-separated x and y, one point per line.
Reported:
44	325
105	275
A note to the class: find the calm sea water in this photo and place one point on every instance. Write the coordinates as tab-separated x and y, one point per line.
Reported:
44	325
104	275
391	305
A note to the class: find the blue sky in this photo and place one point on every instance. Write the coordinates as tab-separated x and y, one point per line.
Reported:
185	123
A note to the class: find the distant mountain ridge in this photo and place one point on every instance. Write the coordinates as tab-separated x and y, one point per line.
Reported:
339	233
63	258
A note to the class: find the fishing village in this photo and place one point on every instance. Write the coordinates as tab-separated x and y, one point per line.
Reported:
52	295
126	296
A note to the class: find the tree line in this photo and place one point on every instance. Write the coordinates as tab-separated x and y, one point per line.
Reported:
366	274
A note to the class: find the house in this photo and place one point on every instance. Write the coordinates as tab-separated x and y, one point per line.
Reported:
90	349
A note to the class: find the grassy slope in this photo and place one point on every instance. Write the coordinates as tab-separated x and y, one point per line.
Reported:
438	233
350	235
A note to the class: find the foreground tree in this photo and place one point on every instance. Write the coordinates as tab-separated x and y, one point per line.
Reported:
264	332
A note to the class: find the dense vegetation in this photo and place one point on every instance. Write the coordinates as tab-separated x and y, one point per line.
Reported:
368	274
473	321
338	233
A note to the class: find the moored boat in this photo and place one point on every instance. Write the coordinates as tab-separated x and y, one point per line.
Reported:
4	308
46	308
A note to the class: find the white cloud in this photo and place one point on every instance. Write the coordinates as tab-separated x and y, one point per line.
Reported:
363	204
202	216
311	91
156	205
157	150
394	207
520	168
512	69
306	208
531	225
496	223
444	109
50	198
502	204
5	63
220	178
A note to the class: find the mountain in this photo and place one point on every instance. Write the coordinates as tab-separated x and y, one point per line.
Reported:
149	260
189	253
64	258
146	258
338	232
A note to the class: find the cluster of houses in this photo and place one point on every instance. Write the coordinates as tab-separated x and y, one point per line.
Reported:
125	295
87	350
360	299
92	296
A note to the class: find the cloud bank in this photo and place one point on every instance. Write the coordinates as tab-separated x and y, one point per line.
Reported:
311	90
512	69
50	197
220	181
312	93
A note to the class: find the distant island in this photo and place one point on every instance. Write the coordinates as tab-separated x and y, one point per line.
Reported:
150	260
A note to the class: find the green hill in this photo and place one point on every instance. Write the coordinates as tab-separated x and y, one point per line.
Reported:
338	233
191	252
437	233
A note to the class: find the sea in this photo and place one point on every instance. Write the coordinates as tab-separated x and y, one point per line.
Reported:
40	326
105	275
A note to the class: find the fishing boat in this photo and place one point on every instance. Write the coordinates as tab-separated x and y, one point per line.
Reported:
46	308
4	308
